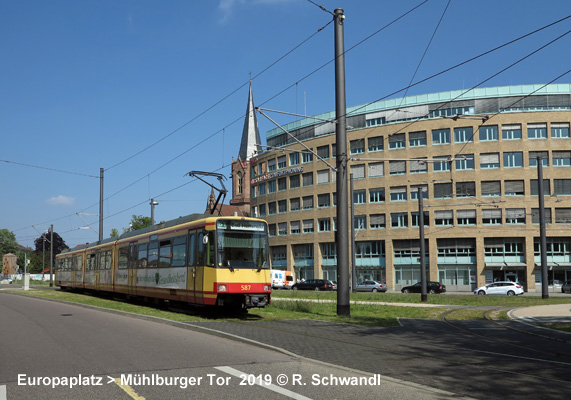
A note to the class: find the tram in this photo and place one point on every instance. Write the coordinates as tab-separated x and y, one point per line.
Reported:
198	259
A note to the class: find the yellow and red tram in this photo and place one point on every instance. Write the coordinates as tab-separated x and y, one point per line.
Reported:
198	259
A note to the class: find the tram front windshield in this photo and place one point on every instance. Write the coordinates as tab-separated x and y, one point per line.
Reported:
242	244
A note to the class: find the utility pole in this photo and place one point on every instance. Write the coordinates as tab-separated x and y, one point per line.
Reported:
542	238
341	236
100	205
353	257
51	255
423	285
153	204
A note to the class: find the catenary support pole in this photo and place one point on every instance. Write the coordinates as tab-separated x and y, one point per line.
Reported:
100	205
342	234
542	238
423	283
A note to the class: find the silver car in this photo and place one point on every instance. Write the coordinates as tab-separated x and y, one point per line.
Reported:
500	288
370	286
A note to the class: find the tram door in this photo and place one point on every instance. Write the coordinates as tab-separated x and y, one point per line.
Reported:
196	267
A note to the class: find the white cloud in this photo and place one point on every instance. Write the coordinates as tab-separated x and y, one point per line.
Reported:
61	200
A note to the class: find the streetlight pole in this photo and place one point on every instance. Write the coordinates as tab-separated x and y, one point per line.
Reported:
153	204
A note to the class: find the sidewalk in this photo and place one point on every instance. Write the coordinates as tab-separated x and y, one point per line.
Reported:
545	314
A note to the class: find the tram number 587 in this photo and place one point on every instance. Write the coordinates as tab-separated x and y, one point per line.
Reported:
246	287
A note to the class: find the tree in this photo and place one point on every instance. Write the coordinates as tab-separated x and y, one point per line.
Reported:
8	243
138	222
44	240
114	233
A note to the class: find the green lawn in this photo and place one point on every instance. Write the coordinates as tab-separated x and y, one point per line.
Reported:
306	304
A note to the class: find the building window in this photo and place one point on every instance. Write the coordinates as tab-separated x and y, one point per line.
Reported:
272	186
463	135
399	220
397	141
358	171
282	206
441	166
272	208
323	200
490	188
466	217
272	229
560	131
397	167
282	228
492	217
513	159
511	132
515	215
375	144
488	133
376	169
563	215
282	184
293	182
562	158
377	221
360	222
442	190
272	165
535	215
562	187
293	159
357	146
417	139
514	188
323	152
262	209
294	228
323	176
537	131
294	204
443	218
359	197
440	136
398	193
464	162
329	251
308	226
308	179
533	158
324	225
281	162
534	187
414	219
414	191
308	202
465	189
489	160
418	167
240	182
377	195
306	156
261	189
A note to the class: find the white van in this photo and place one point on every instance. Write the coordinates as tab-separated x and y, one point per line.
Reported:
278	279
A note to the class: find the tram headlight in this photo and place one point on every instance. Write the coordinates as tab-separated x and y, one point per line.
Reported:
267	288
222	287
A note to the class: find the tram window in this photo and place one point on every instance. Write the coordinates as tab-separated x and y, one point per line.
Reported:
191	249
153	254
90	261
165	253
210	259
124	253
142	258
133	256
200	249
179	251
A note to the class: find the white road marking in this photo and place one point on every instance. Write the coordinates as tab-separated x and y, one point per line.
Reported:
524	358
2	392
277	389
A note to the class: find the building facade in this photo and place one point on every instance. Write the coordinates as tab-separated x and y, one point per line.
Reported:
473	158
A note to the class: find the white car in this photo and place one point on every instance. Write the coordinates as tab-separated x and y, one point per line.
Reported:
6	281
500	288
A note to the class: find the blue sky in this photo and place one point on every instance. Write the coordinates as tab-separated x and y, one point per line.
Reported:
149	90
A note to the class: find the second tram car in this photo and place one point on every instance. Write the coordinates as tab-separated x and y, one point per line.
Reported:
198	259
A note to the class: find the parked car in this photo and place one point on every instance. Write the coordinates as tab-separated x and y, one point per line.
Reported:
370	286
6	281
314	284
500	288
431	287
566	287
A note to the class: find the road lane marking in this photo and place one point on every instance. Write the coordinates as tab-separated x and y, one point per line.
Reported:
523	358
277	389
2	392
128	389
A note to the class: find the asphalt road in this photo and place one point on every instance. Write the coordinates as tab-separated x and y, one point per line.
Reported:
53	350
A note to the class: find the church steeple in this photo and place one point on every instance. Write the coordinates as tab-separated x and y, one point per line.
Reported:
251	142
